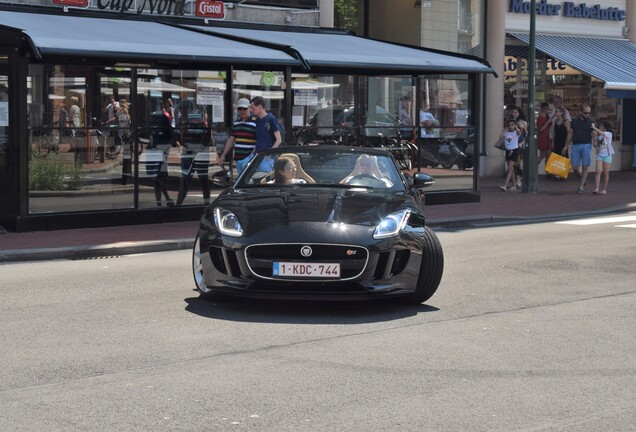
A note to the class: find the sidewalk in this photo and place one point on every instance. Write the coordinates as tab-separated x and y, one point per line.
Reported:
555	199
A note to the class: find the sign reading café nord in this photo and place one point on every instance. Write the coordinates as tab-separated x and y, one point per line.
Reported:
154	7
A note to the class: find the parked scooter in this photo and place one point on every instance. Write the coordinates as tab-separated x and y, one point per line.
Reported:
428	153
468	148
449	155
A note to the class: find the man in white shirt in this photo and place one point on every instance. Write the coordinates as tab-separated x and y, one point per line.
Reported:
427	121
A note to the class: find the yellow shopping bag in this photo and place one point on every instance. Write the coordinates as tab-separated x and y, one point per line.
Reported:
558	166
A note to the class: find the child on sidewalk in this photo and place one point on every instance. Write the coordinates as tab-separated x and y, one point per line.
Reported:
511	140
604	152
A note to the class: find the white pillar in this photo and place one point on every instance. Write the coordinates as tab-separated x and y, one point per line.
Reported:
493	165
630	20
326	13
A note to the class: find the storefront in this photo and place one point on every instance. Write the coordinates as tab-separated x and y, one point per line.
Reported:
583	56
83	137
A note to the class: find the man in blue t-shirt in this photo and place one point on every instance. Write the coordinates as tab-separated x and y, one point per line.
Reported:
267	132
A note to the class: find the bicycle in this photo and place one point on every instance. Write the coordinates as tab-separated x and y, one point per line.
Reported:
46	141
123	138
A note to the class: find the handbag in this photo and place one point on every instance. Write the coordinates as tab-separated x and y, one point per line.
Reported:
558	166
500	144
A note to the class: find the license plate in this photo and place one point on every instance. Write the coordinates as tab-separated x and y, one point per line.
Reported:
308	270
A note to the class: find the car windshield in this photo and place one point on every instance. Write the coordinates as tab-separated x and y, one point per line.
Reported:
323	166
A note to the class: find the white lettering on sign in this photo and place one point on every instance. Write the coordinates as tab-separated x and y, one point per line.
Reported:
211	9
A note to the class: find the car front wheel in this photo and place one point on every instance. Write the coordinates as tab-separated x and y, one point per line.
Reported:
197	272
431	270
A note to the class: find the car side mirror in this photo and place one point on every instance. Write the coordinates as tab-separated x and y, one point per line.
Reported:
422	180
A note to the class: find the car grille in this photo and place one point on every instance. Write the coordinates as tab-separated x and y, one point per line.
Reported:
352	259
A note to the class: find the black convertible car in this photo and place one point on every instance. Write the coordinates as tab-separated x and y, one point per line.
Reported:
319	222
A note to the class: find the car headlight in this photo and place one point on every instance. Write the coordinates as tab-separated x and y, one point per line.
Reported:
392	224
227	222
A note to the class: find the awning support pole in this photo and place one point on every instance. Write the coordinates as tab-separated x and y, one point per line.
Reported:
530	169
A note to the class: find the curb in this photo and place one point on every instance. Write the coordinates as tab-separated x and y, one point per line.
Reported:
482	221
130	248
87	252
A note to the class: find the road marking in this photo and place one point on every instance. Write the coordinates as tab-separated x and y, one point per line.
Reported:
626	226
601	220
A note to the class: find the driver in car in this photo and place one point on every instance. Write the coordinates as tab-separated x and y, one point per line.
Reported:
367	168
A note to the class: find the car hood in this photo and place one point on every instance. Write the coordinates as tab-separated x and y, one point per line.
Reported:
261	208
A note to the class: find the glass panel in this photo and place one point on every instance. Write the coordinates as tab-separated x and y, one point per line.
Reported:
183	122
4	132
321	105
253	129
386	99
115	120
68	167
447	131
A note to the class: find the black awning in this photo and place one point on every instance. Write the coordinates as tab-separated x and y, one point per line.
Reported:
334	48
609	60
141	41
138	40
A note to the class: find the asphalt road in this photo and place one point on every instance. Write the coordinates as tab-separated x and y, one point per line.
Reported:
532	329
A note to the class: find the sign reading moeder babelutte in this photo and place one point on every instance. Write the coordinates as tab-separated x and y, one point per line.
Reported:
211	9
570	9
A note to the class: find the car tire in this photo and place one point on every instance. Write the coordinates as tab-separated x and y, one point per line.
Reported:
197	271
431	270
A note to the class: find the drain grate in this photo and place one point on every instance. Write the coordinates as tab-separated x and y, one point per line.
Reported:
97	258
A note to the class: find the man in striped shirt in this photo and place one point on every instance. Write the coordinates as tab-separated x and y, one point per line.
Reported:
243	135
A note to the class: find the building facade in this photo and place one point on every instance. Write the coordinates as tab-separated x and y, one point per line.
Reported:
114	111
585	53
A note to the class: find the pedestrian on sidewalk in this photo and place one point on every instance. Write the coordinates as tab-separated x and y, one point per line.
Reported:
522	126
268	134
511	140
243	135
580	145
561	127
544	143
604	152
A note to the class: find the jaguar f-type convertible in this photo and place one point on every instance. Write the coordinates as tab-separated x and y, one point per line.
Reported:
319	222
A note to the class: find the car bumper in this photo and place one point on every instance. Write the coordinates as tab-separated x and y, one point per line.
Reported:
390	267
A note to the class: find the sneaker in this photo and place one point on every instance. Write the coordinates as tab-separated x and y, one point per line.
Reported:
580	191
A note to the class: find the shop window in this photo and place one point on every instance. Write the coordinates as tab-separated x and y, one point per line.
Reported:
322	108
93	145
267	84
68	170
446	128
182	130
562	85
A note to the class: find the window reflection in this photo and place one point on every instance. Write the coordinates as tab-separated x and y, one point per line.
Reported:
91	148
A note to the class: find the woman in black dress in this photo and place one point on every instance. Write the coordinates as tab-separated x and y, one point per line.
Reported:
561	130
